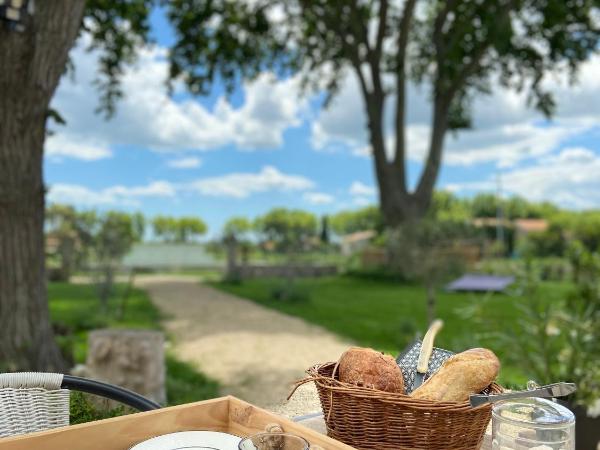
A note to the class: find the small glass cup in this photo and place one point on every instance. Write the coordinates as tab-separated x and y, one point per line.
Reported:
274	441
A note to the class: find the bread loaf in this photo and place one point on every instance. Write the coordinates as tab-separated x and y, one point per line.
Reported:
460	376
369	368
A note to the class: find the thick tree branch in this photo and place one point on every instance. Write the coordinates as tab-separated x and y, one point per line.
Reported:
424	189
360	26
381	27
446	88
469	69
400	150
373	57
374	97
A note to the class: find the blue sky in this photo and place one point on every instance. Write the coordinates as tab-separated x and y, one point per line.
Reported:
271	147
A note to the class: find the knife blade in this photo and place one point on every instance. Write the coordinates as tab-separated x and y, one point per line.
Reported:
425	354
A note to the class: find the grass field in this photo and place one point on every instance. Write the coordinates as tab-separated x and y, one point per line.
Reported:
386	315
75	310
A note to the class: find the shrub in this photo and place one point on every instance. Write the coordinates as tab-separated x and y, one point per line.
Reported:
556	341
290	291
83	410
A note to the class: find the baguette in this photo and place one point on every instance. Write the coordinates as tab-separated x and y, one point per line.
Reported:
460	376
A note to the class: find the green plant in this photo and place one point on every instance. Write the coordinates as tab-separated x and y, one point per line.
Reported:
556	341
290	291
551	242
428	252
82	409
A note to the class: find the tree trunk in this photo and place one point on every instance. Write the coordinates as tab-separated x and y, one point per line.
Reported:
105	286
397	204
66	250
32	61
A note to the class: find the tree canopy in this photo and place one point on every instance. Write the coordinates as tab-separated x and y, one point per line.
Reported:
345	222
288	229
456	49
178	229
237	226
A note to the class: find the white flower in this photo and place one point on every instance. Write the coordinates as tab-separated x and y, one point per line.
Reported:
593	410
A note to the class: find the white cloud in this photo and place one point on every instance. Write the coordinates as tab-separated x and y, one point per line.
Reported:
360	189
114	195
270	108
241	185
148	118
505	130
568	178
58	146
318	198
233	185
509	144
185	163
362	201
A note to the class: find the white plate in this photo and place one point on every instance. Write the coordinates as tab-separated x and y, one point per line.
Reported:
191	440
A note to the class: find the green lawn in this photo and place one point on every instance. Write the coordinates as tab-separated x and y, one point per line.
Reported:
75	310
385	314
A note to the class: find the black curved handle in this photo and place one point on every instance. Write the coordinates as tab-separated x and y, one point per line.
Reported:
110	391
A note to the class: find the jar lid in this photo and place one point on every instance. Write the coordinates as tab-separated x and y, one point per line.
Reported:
533	412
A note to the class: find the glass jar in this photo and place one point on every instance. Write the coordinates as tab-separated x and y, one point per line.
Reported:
532	424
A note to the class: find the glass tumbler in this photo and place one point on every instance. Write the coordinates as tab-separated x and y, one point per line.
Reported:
274	441
532	423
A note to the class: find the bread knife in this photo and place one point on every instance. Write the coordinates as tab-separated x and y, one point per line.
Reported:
425	353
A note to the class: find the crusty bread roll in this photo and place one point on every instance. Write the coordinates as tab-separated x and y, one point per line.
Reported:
460	376
369	368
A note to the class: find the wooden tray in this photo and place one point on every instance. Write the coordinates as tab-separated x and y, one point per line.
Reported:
227	414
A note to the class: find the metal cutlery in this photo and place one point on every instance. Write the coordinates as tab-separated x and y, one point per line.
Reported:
549	391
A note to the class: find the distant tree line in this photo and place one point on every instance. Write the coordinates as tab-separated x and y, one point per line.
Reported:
78	238
564	225
280	229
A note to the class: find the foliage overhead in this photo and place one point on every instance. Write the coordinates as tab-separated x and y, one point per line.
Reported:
457	46
457	49
116	30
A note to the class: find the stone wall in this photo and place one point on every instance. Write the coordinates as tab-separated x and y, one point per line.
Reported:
264	271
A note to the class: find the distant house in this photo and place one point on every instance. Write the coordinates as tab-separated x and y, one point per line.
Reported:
521	226
170	256
481	222
516	230
355	242
526	226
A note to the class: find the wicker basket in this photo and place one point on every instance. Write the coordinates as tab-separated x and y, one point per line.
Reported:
375	420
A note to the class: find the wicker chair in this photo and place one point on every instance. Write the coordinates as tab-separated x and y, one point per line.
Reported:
31	401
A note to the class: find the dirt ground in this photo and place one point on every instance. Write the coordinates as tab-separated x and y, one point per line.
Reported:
255	353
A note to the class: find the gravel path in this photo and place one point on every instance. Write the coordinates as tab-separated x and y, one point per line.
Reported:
254	352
